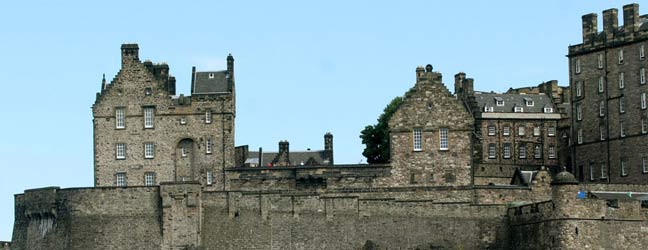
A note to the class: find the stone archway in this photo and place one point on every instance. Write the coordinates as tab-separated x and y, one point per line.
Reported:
184	160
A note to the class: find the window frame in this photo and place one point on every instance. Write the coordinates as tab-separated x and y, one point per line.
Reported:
120	179
444	142
621	80
603	171
552	152
620	53
208	146
601	84
591	169
600	61
579	136
417	139
522	152
506	131
642	76
491	130
506	151
551	131
209	178
518	109
602	132
120	151
208	117
577	66
149	179
644	165
623	168
149	150
149	117
602	108
621	104
492	151
521	131
622	129
579	88
536	131
537	151
579	112
644	126
120	117
643	100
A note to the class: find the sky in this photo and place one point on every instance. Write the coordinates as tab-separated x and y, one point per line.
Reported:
303	68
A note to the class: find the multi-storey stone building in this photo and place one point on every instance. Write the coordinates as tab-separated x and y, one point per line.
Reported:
608	85
145	134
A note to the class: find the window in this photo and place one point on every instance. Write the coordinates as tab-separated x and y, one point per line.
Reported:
579	113
601	84
149	150
120	118
443	139
579	89
621	104
491	150
642	76
536	131
642	54
208	116
580	136
522	151
551	131
210	178
183	120
184	151
577	66
537	151
507	130
148	91
518	109
148	117
488	109
644	165
620	56
643	100
528	102
120	151
521	130
600	61
208	146
602	108
603	171
591	171
417	134
491	130
211	75
602	132
548	109
120	179
622	129
623	168
552	152
507	150
149	179
644	126
621	80
499	101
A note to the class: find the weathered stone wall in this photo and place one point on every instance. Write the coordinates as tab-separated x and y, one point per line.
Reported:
4	245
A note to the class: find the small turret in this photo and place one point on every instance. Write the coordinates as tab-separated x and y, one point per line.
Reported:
420	71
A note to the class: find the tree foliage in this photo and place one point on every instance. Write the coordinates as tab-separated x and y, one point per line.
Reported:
376	137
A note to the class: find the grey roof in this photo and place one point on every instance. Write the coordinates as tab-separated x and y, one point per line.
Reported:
525	178
297	158
514	100
210	82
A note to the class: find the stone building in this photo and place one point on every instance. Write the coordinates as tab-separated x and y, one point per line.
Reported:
145	134
512	131
607	74
284	157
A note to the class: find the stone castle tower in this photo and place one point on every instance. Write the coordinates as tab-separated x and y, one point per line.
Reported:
145	134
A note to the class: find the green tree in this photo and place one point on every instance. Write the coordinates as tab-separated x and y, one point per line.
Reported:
376	137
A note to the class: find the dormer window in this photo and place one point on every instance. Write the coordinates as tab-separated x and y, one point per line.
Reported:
548	109
488	108
211	75
499	101
528	102
518	109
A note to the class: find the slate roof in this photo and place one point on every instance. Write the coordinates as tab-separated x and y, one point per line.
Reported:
210	82
297	158
514	100
525	178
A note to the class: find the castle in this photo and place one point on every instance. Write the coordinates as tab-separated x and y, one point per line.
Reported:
468	170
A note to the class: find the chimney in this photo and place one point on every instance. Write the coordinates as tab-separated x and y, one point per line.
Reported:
172	85
283	146
630	18
468	86
230	72
260	156
590	28
610	23
130	53
328	146
420	71
458	84
103	82
193	78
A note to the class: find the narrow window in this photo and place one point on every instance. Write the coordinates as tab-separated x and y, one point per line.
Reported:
120	151
621	104
552	152
149	179
623	168
443	139
537	151
600	61
620	56
149	150
491	130
642	76
603	171
622	129
602	132
579	89
148	117
491	150
536	131
210	178
417	134
579	113
642	54
601	84
580	136
120	179
602	108
208	146
507	151
621	80
184	151
120	116
522	151
643	100
644	165
591	170
644	126
507	131
551	131
577	66
208	116
521	130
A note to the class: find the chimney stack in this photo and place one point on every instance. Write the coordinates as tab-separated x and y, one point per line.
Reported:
130	53
610	23
590	28
630	18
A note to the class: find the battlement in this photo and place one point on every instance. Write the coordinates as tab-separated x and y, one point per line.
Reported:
635	28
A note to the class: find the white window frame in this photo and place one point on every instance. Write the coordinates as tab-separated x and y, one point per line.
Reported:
579	112
580	136
602	132
417	138
601	84
499	103
488	109
642	53
120	118
642	76
644	126
208	117
603	171
552	152
591	170
551	131
548	110
184	151
120	151
622	129
518	109
120	179
521	130
537	151
149	150
208	146
643	100
622	104
577	66
183	120
210	178
600	61
491	130
536	131
579	88
623	168
443	139
507	151
529	103
621	80
522	152
149	179
602	109
620	56
492	151
211	76
149	117
506	131
644	165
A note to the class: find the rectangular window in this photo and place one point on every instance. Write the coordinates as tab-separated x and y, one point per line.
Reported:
577	66
580	136
536	131
529	103
149	150
642	54
620	56
621	104
644	126
183	121
417	135
623	168
149	179
522	151
488	109
208	146
591	170
642	76
499	101
210	178
149	113
443	139
537	151
643	100
507	151
208	116
601	84
551	131
579	89
552	152
120	118
518	109
184	151
548	110
600	61
120	151
644	165
603	171
507	130
491	130
120	179
622	129
602	109
579	112
621	80
602	132
491	150
521	130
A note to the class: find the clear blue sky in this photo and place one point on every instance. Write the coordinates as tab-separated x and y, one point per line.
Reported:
302	69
